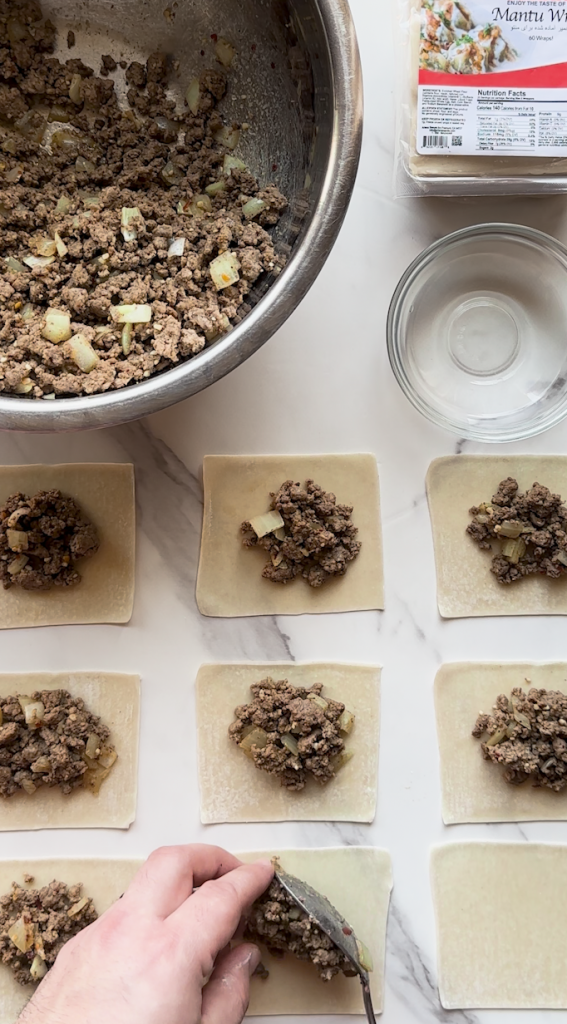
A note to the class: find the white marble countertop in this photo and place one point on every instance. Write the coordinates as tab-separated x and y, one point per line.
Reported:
268	405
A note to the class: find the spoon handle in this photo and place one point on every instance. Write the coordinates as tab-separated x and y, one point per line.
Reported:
367	1001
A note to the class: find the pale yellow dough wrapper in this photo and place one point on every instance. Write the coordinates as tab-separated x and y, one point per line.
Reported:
105	493
465	585
500	910
233	789
236	488
474	789
489	166
115	697
358	881
103	880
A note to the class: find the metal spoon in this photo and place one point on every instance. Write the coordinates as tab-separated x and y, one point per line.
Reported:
327	917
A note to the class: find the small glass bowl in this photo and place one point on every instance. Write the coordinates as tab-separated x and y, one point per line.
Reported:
477	332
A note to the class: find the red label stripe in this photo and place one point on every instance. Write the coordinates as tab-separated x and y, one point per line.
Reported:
553	76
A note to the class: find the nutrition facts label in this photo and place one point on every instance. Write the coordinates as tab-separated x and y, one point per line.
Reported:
515	122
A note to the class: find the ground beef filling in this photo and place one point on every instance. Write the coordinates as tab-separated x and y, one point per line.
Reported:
41	538
35	924
276	921
50	738
527	532
116	208
527	735
292	732
317	540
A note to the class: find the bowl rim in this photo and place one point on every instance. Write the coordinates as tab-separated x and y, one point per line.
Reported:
500	229
273	309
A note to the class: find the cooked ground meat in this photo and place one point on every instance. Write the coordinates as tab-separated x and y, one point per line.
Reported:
292	732
277	922
530	531
71	161
319	541
527	735
41	537
49	746
47	918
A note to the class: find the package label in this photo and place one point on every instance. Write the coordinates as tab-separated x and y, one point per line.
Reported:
493	78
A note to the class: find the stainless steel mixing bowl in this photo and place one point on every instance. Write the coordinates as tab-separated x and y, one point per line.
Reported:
297	82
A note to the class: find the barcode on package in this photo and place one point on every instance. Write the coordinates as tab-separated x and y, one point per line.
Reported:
436	141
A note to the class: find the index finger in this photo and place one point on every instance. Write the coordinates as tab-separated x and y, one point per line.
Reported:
215	910
171	873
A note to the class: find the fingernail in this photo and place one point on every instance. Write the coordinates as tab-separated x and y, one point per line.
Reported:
255	957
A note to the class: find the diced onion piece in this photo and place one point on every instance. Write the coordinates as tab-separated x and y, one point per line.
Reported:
318	700
193	95
107	757
256	738
41	766
24	700
63	205
561	556
176	247
42	245
513	550
32	125
90	199
497	737
522	719
27	311
290	742
22	933
92	748
215	187
34	714
266	523
15	265
57	326
58	113
223	324
280	534
171	174
62	249
232	163
39	261
52	395
132	314
225	52
39	968
24	387
510	528
253	207
129	215
346	721
364	956
15	174
65	139
224	272
75	89
126	339
78	907
198	206
82	353
28	786
18	564
17	540
226	136
84	166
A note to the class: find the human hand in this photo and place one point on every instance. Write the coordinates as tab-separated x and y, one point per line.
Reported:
159	953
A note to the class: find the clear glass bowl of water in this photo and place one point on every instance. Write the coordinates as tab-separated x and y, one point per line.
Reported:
477	332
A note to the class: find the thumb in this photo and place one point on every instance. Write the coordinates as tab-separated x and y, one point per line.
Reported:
227	993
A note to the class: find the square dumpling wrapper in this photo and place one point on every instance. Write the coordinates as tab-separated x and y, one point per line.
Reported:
465	585
358	881
115	698
501	914
105	493
236	488
103	879
233	789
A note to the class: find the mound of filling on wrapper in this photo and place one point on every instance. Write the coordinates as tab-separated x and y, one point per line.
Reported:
35	924
526	734
293	733
527	532
306	534
278	923
41	537
50	738
129	238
